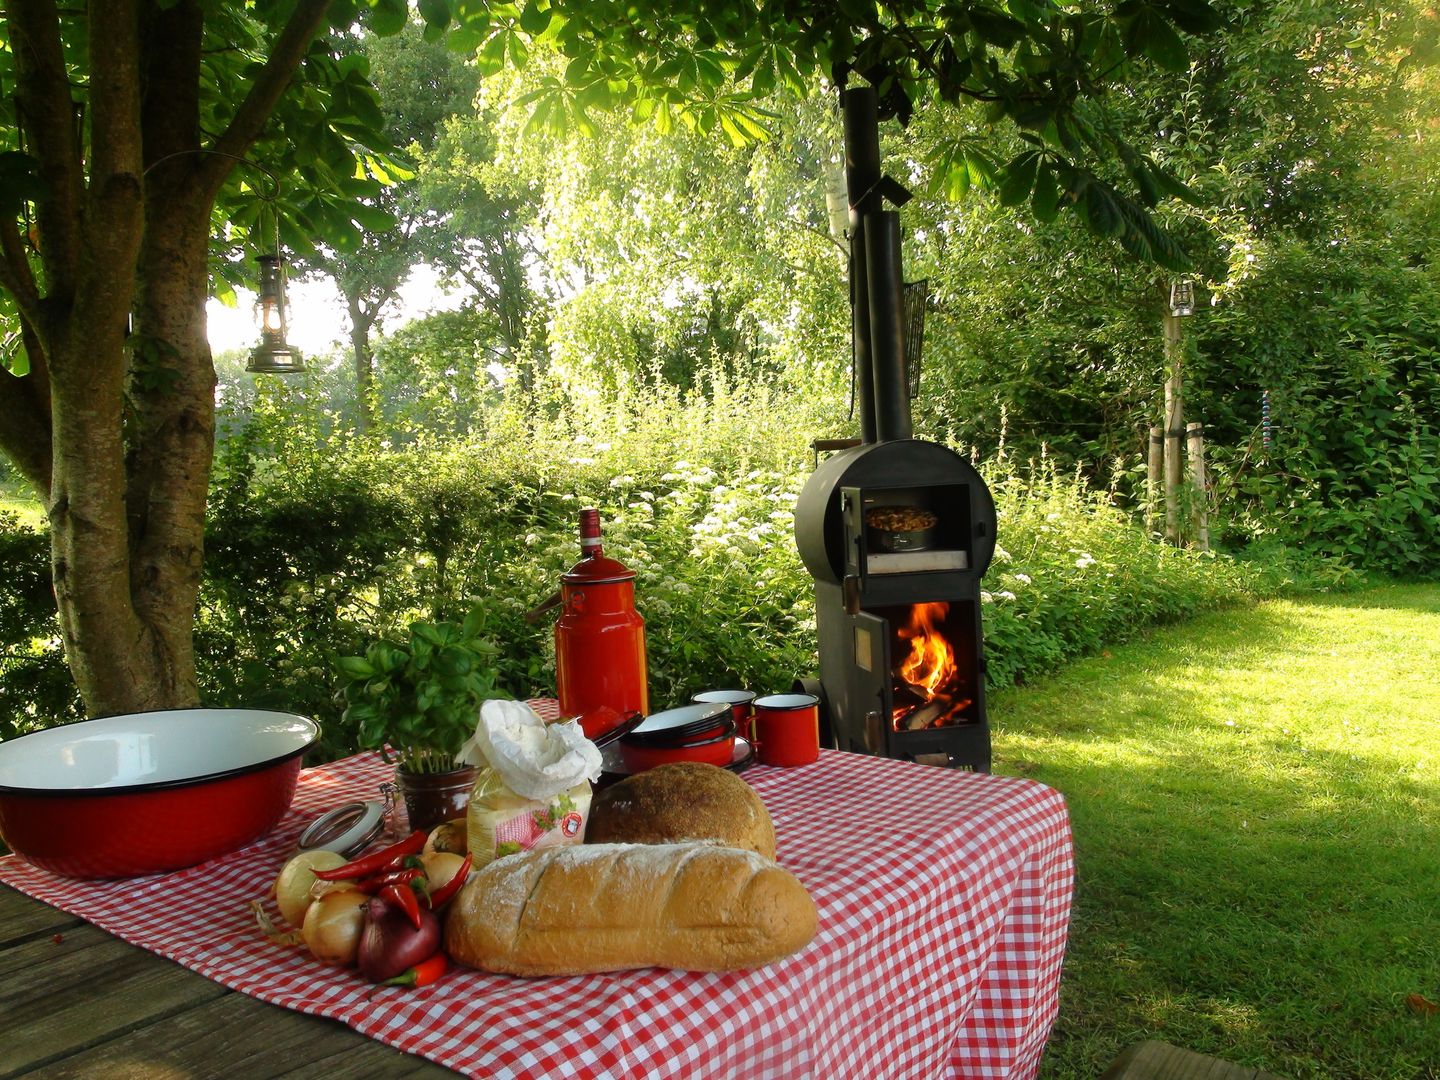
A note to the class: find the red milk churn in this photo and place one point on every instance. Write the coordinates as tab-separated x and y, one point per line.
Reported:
600	638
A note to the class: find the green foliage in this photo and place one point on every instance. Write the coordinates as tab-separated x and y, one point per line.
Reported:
420	696
35	687
1352	472
701	67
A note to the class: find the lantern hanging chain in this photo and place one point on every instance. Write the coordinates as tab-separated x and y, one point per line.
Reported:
268	198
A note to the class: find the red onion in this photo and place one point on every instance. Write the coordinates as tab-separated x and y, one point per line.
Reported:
389	945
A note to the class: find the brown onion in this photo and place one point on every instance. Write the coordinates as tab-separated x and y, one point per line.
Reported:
333	926
292	887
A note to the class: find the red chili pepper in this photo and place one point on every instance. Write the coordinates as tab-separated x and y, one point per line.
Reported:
384	859
403	897
439	897
372	885
422	974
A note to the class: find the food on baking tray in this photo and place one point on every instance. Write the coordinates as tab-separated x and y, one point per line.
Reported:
900	518
610	907
679	802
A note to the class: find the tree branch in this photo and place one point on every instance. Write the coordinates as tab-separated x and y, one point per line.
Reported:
46	112
269	85
15	274
25	416
824	234
115	167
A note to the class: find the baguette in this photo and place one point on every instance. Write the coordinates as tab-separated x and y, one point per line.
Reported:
611	907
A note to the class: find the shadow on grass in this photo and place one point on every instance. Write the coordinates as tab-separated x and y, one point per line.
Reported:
1258	864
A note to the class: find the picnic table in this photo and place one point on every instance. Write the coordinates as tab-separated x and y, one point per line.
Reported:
943	900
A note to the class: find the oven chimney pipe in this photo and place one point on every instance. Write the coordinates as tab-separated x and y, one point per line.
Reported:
862	181
877	305
887	324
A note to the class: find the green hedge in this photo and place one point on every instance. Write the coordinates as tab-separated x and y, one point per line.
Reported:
316	546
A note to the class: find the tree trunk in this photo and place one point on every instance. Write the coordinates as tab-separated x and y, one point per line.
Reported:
364	360
128	424
1154	470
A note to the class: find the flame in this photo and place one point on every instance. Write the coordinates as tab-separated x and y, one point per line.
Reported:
930	672
931	663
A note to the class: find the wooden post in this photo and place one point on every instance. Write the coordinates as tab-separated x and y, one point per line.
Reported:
1174	426
1154	472
1199	515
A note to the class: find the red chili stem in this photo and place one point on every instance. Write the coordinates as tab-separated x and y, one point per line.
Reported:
422	974
372	885
403	897
377	861
438	898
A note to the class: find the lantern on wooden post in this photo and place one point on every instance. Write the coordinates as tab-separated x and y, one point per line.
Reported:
1182	298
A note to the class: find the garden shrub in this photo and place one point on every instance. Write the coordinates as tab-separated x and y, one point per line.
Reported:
317	545
36	690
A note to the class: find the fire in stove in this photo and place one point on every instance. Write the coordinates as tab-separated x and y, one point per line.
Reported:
929	688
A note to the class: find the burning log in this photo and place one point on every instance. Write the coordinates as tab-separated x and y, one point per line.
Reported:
924	716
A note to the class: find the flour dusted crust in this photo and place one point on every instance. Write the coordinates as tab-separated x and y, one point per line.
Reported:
681	802
610	907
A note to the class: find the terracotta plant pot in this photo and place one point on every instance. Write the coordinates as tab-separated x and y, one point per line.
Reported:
434	798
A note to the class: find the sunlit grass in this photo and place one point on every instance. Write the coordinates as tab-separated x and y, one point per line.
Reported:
1256	804
17	499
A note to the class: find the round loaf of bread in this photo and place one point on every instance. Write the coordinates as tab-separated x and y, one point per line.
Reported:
672	804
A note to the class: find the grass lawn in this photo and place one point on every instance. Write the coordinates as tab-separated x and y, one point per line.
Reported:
1255	798
19	499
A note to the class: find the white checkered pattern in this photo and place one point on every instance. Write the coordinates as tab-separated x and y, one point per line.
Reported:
943	897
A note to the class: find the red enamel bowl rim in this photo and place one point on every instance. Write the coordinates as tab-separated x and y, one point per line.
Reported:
159	785
703	751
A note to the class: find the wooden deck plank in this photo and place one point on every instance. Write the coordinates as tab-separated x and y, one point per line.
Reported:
22	917
91	1005
239	1036
1154	1060
85	995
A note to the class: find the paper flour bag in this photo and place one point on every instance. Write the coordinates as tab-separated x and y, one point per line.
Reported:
533	788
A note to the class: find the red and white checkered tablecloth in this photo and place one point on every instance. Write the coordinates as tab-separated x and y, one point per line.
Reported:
944	899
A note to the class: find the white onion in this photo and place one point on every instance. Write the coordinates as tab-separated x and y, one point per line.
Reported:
449	836
292	887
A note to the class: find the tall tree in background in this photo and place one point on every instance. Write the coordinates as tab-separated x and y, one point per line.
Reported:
490	221
421	83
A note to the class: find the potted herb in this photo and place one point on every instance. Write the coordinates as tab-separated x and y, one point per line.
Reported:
418	700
